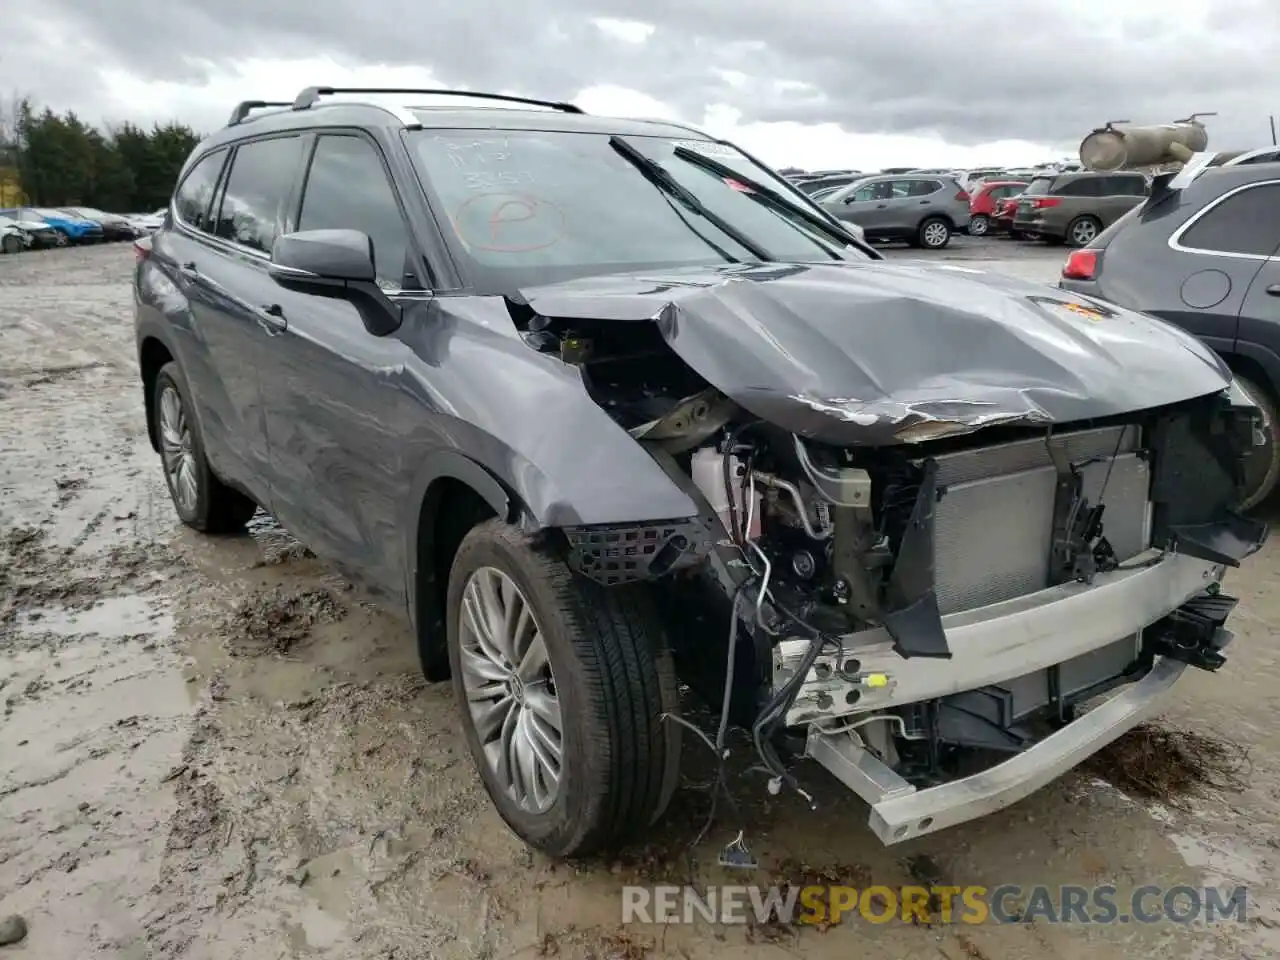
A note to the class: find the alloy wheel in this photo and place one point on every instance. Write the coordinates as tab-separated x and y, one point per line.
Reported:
978	226
510	688
935	234
176	450
1083	232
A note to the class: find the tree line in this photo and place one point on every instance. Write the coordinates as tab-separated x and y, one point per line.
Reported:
49	159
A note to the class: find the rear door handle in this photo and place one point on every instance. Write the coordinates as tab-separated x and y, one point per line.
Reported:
881	206
1274	290
189	270
271	319
923	202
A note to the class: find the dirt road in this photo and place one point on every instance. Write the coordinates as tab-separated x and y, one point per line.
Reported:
217	748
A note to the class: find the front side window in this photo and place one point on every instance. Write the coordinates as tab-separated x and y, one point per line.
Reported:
194	195
1246	222
258	185
347	189
530	206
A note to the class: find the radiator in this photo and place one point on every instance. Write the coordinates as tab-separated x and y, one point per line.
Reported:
994	521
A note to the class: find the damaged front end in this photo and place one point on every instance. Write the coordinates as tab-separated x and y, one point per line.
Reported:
945	569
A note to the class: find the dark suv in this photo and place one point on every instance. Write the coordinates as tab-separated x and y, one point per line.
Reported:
596	399
1076	207
1207	258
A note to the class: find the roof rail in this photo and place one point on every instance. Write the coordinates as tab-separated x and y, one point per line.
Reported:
311	96
241	112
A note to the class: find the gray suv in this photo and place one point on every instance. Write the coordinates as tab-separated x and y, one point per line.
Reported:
924	210
1206	258
1076	207
604	403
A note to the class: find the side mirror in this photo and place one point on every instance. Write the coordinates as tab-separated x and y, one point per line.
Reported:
335	263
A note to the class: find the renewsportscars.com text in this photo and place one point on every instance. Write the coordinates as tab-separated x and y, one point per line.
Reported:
918	904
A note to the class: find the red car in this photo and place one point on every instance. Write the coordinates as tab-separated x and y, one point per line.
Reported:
984	200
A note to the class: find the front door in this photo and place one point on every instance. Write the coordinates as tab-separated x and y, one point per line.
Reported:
339	419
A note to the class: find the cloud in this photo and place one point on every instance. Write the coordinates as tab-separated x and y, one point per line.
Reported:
928	78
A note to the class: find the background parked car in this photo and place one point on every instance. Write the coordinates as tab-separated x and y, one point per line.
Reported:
830	181
983	201
147	222
114	226
37	232
1076	207
1207	259
922	210
12	239
68	229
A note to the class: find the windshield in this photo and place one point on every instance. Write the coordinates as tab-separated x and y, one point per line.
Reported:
42	213
532	206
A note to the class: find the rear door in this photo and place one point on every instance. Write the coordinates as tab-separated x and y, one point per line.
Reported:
919	198
230	270
337	417
213	344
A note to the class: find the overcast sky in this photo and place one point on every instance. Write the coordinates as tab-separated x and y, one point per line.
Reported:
815	83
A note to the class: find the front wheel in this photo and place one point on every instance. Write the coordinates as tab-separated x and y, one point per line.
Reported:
934	234
979	225
60	238
563	686
201	500
11	244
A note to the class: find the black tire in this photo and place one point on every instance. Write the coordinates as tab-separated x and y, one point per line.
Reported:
934	233
11	244
1082	231
613	680
217	508
1262	470
60	238
979	225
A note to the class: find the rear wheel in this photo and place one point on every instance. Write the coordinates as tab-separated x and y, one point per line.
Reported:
562	685
979	225
934	233
201	500
1262	468
1082	231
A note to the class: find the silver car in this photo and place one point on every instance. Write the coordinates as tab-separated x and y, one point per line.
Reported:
923	210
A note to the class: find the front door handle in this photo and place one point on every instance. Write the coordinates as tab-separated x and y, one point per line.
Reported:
271	319
189	271
923	202
881	206
1273	290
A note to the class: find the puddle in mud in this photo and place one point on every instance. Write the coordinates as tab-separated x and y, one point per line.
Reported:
109	618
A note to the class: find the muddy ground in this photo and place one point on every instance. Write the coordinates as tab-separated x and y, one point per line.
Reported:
218	748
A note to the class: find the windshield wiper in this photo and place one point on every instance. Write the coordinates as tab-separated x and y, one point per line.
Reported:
654	172
768	196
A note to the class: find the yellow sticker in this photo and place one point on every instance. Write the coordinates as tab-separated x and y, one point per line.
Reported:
1089	313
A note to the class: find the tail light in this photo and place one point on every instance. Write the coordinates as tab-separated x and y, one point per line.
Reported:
1043	202
962	197
1081	265
141	249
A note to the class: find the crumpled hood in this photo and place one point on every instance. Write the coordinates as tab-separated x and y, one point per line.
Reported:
881	352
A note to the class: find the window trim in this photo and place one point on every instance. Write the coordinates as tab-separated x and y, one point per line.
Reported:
422	267
1175	240
217	187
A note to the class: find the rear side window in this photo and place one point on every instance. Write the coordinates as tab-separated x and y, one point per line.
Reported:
1245	222
923	188
1123	186
261	176
1083	187
347	189
191	201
